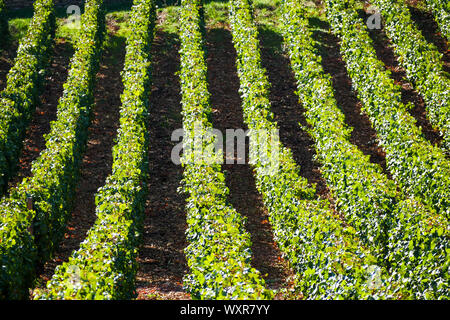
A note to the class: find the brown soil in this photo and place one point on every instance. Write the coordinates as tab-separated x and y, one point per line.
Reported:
45	111
288	111
162	263
227	114
430	30
363	135
7	55
97	161
386	54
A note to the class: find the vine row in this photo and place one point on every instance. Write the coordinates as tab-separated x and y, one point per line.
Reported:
420	169
441	12
218	253
422	63
326	254
24	83
33	217
105	266
406	239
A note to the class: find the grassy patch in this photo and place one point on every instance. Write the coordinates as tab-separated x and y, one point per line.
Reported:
168	19
18	28
216	13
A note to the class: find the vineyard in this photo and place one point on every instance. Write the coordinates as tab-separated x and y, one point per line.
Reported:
119	176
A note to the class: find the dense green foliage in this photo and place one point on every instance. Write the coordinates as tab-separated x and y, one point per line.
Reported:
219	252
24	81
105	266
33	218
381	238
3	22
419	169
441	12
405	238
422	63
329	259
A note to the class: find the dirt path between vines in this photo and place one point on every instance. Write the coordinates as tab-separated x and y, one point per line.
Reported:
386	54
429	28
7	55
363	135
162	263
227	114
45	111
97	161
288	111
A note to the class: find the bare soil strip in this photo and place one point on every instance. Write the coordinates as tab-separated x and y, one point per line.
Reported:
97	161
386	54
227	114
363	135
46	110
288	110
7	55
426	23
162	263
